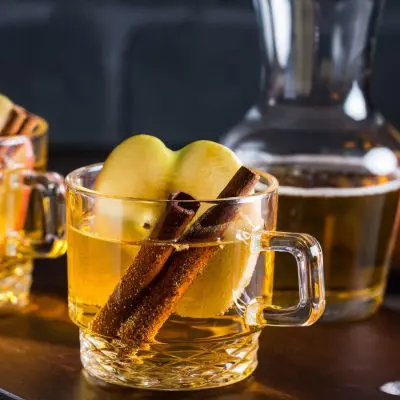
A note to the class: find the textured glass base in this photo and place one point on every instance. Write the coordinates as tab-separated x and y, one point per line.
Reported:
183	366
15	284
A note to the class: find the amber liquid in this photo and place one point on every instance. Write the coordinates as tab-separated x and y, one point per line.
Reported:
352	214
15	266
19	217
209	331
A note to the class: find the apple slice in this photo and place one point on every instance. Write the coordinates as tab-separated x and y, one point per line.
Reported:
203	169
142	167
6	106
229	271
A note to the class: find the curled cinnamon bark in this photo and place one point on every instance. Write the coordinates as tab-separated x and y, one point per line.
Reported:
146	266
22	122
158	301
16	119
30	125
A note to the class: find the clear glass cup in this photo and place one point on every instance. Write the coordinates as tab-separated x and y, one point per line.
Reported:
32	223
38	137
208	321
315	129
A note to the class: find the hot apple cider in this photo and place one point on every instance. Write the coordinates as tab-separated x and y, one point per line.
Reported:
169	264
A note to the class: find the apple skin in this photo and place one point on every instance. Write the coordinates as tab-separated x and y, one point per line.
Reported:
143	167
6	106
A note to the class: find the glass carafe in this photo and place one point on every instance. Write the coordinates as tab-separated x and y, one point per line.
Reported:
336	158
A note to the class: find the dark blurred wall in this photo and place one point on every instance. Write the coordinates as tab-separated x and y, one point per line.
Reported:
182	70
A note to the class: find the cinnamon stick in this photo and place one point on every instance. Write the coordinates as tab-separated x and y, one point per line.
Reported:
160	298
15	121
30	125
147	264
21	122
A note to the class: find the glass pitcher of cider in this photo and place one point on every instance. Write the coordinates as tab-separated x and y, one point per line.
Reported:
336	158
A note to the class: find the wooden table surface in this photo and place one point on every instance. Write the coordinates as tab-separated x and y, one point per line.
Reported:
39	351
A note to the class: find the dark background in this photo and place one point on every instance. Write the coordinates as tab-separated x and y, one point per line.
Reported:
181	70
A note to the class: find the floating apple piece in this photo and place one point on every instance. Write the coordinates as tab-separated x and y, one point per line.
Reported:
6	106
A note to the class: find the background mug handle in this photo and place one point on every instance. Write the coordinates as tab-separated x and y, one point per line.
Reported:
33	206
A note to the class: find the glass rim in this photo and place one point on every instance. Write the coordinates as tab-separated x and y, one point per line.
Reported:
15	140
72	184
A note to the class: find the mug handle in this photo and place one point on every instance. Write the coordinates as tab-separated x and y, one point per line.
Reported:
40	232
308	255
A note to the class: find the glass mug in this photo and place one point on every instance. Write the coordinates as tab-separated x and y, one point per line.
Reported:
209	337
38	137
32	221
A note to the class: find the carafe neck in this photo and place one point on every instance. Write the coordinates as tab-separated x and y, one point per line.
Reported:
316	52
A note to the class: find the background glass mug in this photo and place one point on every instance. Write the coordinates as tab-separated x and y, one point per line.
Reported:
21	122
210	337
32	221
